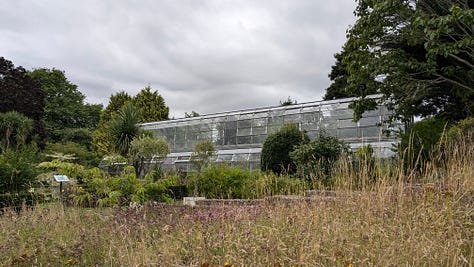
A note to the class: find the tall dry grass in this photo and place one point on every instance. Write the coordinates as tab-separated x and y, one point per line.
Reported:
384	215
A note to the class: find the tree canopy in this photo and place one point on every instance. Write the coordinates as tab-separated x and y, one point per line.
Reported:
64	103
417	53
21	93
151	106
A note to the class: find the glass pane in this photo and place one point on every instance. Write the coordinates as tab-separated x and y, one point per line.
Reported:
243	131
241	140
240	157
244	123
370	132
347	123
254	157
259	139
225	157
259	130
348	133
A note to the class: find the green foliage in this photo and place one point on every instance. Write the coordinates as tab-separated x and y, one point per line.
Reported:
338	76
191	115
82	136
221	181
78	174
113	164
365	153
288	102
64	103
463	131
102	141
161	190
276	149
17	172
146	151
77	153
417	54
124	128
21	93
317	158
150	105
272	184
203	151
418	141
365	162
14	129
19	199
224	182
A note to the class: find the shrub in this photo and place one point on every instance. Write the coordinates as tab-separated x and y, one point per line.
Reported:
418	141
18	199
463	131
163	190
17	172
221	181
277	147
317	158
272	184
74	152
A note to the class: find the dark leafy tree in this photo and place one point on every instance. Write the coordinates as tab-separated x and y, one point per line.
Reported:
21	93
64	104
417	54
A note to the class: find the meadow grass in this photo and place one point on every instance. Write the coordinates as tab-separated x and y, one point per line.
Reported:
380	216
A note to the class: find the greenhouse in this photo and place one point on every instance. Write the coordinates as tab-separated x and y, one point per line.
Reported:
239	135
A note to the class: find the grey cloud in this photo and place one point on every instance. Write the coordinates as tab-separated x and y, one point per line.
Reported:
207	56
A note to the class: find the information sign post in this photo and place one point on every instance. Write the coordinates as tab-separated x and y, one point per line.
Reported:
61	179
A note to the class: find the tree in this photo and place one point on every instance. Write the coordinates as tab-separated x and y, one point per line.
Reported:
151	106
124	128
193	114
21	93
276	149
101	138
338	76
145	151
64	103
417	54
288	102
202	154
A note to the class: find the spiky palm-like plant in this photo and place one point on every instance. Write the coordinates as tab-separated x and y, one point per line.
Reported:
124	129
14	129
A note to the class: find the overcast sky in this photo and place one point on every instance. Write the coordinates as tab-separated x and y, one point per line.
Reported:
202	55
